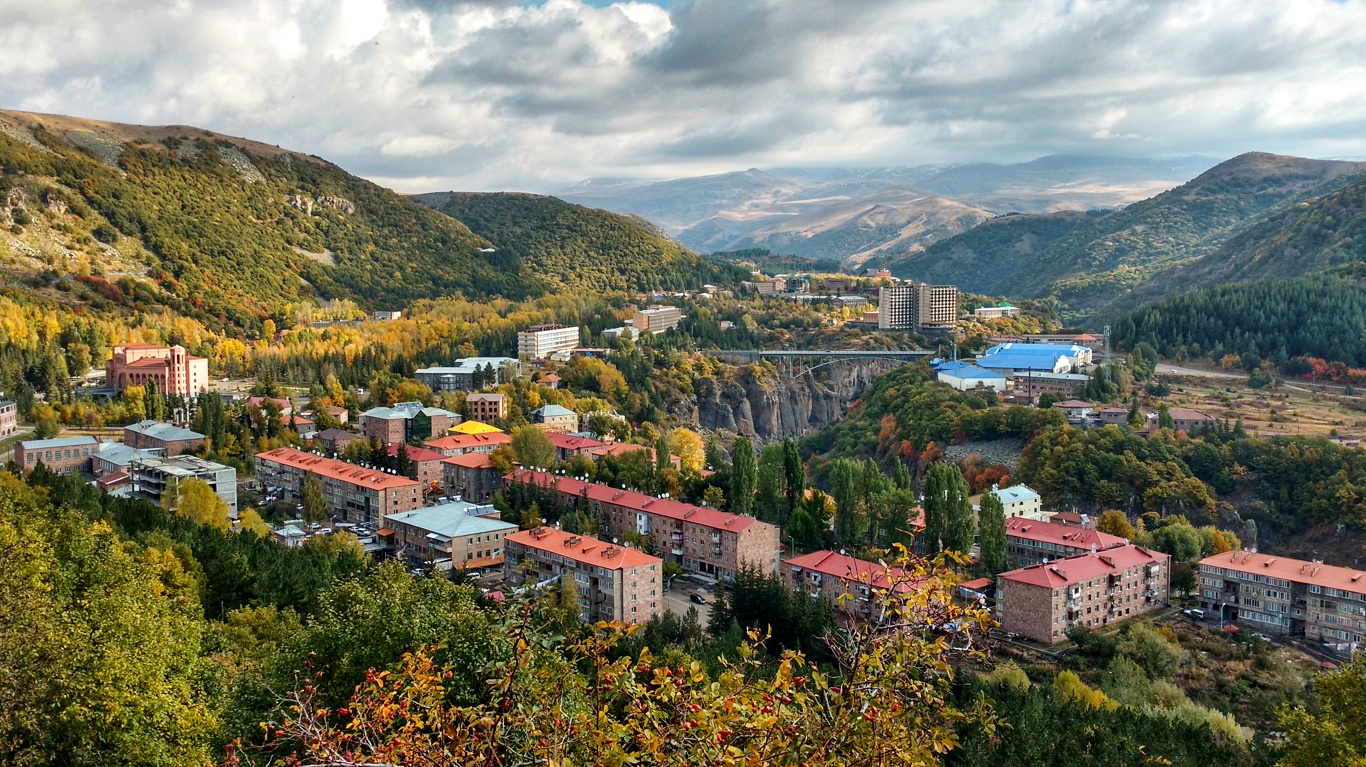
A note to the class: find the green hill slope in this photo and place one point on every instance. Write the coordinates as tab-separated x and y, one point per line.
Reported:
224	229
556	245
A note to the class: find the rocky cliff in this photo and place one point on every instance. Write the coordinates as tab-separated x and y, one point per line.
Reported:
766	405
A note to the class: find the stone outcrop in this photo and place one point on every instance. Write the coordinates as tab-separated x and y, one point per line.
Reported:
768	405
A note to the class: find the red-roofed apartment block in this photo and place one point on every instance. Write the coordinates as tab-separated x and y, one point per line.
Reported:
568	446
459	444
352	493
425	464
615	583
828	575
699	539
471	476
1287	596
1031	542
1044	601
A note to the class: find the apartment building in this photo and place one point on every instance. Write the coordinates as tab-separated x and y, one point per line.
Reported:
1281	595
9	417
152	476
486	407
555	418
156	435
539	342
460	444
917	306
657	319
1035	383
1002	309
174	370
406	421
567	445
851	585
701	540
471	476
452	535
1030	542
61	455
615	583
424	464
461	375
352	493
1018	501
1044	601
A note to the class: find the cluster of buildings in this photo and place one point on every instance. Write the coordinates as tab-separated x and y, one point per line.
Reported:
461	375
1287	597
407	421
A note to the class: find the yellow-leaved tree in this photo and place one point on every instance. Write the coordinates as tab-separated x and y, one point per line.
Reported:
196	501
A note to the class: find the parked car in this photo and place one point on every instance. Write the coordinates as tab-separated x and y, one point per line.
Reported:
1262	637
697	599
1195	613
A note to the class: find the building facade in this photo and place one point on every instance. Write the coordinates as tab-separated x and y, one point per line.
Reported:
156	435
460	444
555	418
1093	590
614	583
62	455
657	319
917	306
1019	501
174	370
1030	542
424	464
1034	384
152	476
406	421
461	375
538	342
453	535
1286	596
701	540
471	476
486	407
9	417
852	586
117	458
352	493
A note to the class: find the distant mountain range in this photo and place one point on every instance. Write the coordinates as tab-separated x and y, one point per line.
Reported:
854	215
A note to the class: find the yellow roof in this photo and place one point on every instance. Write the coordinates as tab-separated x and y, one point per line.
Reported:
475	427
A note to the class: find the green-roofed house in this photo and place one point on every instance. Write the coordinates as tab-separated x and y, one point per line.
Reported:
1002	309
456	534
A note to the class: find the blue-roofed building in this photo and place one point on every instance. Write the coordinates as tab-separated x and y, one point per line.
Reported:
457	534
157	435
965	376
1012	358
555	418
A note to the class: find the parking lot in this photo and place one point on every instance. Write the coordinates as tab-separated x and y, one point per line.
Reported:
677	599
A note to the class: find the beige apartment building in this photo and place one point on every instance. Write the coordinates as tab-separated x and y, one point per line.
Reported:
701	540
538	342
352	493
1280	595
917	306
486	407
1094	590
658	319
615	583
452	535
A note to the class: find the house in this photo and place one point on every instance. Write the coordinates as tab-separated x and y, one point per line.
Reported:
336	440
474	427
290	536
567	445
469	374
170	439
550	381
456	535
352	493
1074	409
1191	420
406	421
1017	500
61	455
1284	596
1030	542
424	464
965	376
486	407
151	476
540	342
9	417
1116	416
555	418
1045	601
471	477
615	583
459	444
852	586
172	369
701	540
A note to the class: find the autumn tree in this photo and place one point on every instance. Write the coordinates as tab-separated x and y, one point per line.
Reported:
533	448
1115	522
249	521
1333	735
314	502
688	446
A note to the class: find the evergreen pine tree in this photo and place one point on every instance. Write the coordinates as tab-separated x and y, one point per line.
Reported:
992	517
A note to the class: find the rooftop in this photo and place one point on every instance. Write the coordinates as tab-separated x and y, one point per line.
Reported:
405	410
1073	404
1060	534
1189	415
490	397
551	411
416	453
48	444
698	515
467	441
120	454
1083	567
959	368
471	461
1297	570
582	548
163	431
467	365
548	326
570	442
451	520
616	449
333	469
845	567
181	465
1016	493
475	427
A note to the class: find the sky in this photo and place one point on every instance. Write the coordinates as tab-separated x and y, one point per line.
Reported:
424	95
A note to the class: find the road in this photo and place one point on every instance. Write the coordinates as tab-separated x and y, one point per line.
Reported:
1163	367
676	601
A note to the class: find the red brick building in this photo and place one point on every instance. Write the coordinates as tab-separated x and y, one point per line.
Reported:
424	464
352	493
615	583
459	444
62	455
701	540
174	370
1044	601
486	407
568	446
829	575
471	476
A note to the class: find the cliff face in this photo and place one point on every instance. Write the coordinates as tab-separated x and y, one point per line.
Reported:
770	406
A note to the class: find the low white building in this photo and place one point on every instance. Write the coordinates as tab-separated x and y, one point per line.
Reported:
965	376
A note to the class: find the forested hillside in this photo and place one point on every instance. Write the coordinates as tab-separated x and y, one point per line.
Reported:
1321	316
557	246
221	229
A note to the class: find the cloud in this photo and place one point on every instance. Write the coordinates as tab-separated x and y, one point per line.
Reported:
493	94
